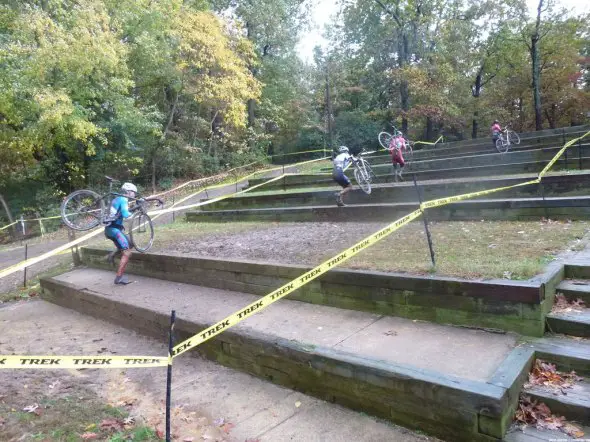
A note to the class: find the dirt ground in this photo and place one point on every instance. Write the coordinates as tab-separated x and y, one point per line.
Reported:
512	250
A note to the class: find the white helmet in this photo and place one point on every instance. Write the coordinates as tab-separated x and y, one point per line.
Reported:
129	187
400	134
343	149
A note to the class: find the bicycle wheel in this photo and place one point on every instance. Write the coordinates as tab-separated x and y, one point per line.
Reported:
82	210
141	231
409	154
370	173
361	177
385	139
513	137
501	145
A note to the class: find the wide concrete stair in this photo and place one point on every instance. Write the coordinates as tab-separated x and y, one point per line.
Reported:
558	185
564	208
427	353
416	374
577	287
568	352
529	140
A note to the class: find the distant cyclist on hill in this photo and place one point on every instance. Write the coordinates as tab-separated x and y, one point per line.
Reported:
114	231
341	162
496	130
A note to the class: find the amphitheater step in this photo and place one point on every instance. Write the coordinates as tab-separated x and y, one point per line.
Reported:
418	374
531	434
572	208
574	323
575	289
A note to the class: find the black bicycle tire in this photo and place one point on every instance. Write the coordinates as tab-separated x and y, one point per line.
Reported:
383	144
514	138
367	184
137	219
70	197
409	157
501	145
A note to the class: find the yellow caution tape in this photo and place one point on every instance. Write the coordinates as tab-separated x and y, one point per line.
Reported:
290	287
427	142
560	153
298	153
46	361
453	199
8	225
29	262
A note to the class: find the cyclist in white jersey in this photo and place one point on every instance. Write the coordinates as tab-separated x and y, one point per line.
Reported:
341	162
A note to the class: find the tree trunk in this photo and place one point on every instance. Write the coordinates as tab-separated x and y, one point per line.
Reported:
162	139
328	110
6	209
251	118
537	70
429	128
476	91
403	89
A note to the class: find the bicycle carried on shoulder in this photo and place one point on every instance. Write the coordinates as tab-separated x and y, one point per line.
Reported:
385	140
85	209
506	138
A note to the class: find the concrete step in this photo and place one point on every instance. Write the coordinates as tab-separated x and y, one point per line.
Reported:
325	179
573	403
531	434
257	410
574	289
567	354
566	208
557	185
417	374
577	270
571	324
574	154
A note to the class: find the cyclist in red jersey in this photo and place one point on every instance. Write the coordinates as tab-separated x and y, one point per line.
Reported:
496	130
396	145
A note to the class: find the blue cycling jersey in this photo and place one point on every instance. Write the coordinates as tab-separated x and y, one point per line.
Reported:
119	211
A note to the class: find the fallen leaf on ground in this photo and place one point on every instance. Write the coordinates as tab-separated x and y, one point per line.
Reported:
129	420
227	427
562	305
31	408
572	430
218	422
111	425
159	433
547	375
89	436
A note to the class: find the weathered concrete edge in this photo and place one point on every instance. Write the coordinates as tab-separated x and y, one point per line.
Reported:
485	401
533	290
511	306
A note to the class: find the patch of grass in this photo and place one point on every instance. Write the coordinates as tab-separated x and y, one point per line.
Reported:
137	435
66	418
315	167
33	285
499	249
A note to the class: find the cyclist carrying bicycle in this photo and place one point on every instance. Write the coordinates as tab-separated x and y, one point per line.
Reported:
496	130
114	230
341	162
397	143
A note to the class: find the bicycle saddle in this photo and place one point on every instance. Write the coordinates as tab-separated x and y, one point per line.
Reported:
109	178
